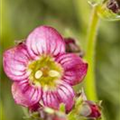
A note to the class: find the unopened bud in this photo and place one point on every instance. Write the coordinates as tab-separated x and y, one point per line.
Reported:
109	10
90	109
114	5
72	47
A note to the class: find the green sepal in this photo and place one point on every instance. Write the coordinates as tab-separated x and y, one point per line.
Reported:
62	107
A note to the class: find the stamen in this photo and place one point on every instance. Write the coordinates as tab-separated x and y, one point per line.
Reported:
54	73
38	74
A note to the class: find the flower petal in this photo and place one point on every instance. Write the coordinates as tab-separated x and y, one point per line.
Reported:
50	99
65	94
45	40
24	94
74	68
35	107
62	94
15	61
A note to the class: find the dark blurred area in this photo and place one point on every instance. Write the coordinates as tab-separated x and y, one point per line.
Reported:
71	19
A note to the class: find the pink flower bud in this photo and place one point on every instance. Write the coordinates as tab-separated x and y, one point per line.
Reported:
72	47
90	109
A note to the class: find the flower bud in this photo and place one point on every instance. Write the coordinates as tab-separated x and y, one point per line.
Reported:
90	109
72	47
109	10
114	5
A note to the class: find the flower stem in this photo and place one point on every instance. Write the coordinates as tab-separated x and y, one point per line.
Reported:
90	84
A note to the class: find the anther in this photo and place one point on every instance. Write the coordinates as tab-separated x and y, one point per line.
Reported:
38	74
54	73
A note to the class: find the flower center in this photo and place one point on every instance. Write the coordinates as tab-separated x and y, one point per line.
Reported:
45	72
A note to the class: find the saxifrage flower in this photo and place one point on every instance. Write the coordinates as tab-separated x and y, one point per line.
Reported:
41	70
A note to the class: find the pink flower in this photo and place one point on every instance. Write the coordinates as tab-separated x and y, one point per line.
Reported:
41	70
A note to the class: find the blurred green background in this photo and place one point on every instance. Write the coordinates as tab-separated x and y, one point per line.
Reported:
71	18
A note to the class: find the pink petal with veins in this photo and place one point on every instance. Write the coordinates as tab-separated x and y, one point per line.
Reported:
62	94
24	94
45	40
66	95
15	61
74	67
50	99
